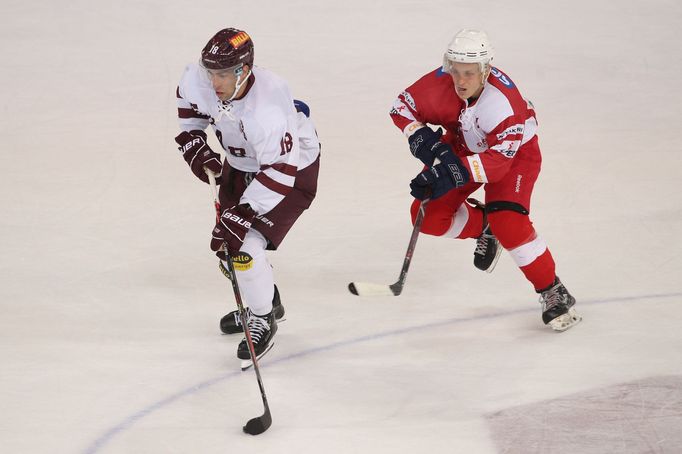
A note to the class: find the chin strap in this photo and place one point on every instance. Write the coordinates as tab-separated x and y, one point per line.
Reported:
226	106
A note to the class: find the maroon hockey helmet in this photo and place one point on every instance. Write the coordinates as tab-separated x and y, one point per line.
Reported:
228	48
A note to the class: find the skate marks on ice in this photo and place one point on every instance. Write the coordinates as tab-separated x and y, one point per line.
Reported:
634	417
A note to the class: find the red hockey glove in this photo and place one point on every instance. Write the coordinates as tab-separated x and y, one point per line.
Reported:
198	154
231	228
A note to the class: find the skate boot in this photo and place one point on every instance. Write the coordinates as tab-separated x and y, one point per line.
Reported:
557	307
488	248
262	329
232	323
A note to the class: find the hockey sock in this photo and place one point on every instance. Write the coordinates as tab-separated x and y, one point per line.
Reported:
516	234
254	274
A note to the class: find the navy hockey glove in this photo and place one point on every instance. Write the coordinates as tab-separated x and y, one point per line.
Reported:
231	229
422	142
441	178
198	154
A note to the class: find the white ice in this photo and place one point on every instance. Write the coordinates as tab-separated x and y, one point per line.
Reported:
110	297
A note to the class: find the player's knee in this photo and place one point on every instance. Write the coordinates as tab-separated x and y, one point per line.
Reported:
434	222
512	228
251	256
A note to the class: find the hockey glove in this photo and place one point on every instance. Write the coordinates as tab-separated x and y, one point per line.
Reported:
198	154
441	178
422	142
231	229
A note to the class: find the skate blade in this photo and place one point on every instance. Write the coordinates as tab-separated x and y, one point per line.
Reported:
247	363
563	322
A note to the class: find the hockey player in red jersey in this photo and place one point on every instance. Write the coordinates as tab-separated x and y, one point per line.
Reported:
489	140
269	174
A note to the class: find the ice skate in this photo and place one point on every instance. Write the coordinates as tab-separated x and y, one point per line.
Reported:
262	329
488	248
232	323
557	307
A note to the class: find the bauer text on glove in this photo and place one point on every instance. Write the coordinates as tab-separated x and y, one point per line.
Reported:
422	142
198	154
441	178
231	228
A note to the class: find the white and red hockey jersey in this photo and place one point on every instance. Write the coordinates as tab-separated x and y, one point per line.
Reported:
261	133
487	133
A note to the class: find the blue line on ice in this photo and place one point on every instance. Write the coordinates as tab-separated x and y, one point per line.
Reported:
124	425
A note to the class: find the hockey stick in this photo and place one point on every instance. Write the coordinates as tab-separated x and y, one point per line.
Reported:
259	424
371	289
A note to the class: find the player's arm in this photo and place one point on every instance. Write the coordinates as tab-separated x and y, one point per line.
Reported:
412	121
278	156
192	140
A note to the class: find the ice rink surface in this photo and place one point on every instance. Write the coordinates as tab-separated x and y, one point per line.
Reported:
110	297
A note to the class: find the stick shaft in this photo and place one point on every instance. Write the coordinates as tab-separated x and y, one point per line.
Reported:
238	299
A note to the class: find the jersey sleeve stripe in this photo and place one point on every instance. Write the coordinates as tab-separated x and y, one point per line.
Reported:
272	185
190	113
286	169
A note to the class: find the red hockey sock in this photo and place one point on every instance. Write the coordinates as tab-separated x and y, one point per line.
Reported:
541	271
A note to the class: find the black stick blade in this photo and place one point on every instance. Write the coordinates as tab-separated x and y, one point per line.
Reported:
370	289
258	425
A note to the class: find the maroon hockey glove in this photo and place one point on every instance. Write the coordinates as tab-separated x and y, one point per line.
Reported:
231	228
198	154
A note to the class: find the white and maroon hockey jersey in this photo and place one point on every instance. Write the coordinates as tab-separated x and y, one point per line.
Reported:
487	133
261	133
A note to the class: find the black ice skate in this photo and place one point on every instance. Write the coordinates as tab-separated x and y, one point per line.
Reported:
488	248
262	329
557	307
232	323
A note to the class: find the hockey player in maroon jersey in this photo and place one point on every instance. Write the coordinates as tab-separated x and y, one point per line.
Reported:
489	140
269	174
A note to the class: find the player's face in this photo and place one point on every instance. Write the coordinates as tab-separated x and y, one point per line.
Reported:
224	82
467	78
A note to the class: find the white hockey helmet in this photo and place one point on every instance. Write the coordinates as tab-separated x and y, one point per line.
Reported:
469	46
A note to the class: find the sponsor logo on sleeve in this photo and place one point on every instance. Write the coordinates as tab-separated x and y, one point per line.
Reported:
409	100
477	171
514	129
508	148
